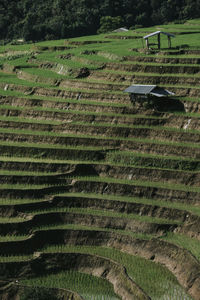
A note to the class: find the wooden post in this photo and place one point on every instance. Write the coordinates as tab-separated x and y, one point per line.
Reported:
159	41
147	43
169	41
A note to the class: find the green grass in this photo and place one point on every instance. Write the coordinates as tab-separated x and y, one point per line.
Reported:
16	258
9	201
13	238
4	220
144	272
103	124
146	201
44	73
29	121
128	158
12	79
23	186
27	173
98	137
181	240
105	213
169	186
52	146
88	286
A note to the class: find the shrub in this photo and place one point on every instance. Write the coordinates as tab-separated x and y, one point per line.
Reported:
36	293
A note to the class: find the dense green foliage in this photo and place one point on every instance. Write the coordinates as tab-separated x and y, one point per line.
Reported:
38	294
55	19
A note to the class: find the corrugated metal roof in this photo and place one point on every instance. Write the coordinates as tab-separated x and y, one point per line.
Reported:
157	32
160	92
140	89
148	90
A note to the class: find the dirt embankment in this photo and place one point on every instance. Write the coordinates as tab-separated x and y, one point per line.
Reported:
124	287
164	80
11	290
68	116
179	261
37	151
135	146
163	60
190	222
63	170
33	243
77	84
141	79
33	193
107	131
96	204
160	69
66	106
156	193
78	95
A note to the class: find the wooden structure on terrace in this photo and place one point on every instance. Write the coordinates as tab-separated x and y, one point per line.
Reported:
141	91
141	94
158	33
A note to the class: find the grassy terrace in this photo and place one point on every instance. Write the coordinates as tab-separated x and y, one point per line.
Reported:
81	164
142	200
84	284
140	183
105	125
136	268
62	138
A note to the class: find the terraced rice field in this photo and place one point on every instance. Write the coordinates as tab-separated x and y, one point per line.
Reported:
99	199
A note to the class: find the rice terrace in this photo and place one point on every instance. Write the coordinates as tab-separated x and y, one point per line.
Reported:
100	194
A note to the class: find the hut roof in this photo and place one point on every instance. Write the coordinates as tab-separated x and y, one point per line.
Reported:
154	90
122	29
157	32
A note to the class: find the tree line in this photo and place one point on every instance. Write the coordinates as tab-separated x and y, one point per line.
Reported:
54	19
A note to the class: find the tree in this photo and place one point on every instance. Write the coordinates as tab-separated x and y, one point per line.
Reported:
109	23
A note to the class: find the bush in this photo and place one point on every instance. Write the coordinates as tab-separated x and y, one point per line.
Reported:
36	293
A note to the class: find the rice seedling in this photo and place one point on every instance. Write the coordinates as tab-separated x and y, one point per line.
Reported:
19	258
13	238
88	286
155	279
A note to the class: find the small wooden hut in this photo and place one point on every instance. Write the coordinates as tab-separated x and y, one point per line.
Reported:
158	33
146	95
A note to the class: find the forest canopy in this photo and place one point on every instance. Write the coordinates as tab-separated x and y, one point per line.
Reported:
54	19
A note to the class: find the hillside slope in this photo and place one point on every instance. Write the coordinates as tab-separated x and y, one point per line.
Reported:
100	196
